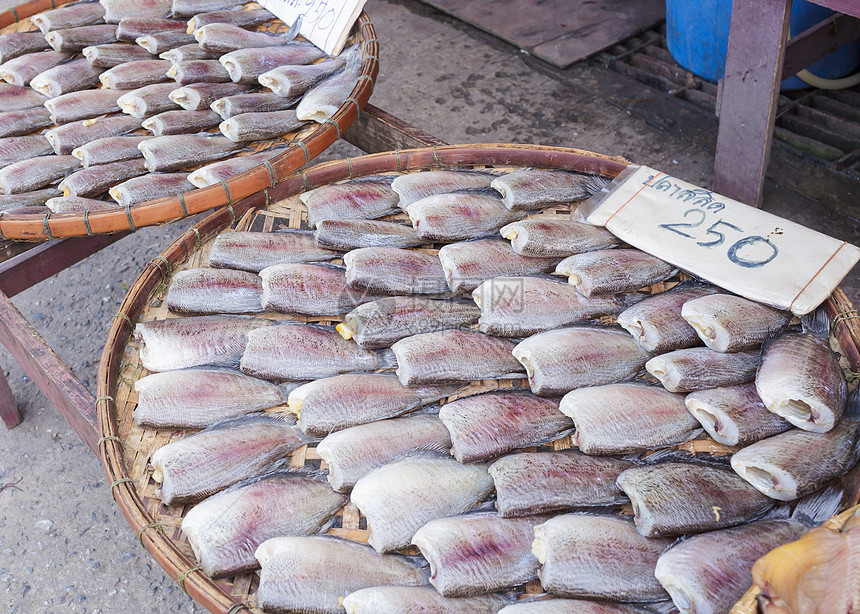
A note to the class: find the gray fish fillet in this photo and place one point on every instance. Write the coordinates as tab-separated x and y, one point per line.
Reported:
78	14
255	251
702	368
148	100
196	398
225	37
86	104
672	499
539	482
451	356
212	291
365	198
533	188
727	323
188	8
450	546
75	39
149	187
114	54
188	52
134	75
394	271
459	216
164	41
244	18
132	28
314	574
170	153
20	122
417	600
197	71
569	606
230	106
75	204
199	96
401	497
33	198
354	234
22	70
295	80
17	148
29	175
246	65
16	97
557	238
69	77
356	451
64	139
196	341
598	557
98	179
109	149
309	289
380	323
199	465
613	271
560	360
117	10
225	530
260	126
180	122
16	44
225	169
322	101
469	263
415	186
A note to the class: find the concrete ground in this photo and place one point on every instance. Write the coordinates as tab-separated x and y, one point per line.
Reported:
64	546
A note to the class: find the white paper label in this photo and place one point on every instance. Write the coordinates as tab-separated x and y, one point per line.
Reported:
745	250
326	23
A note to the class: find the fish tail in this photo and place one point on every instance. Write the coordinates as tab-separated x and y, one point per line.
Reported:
595	184
852	406
385	359
817	507
816	323
294	30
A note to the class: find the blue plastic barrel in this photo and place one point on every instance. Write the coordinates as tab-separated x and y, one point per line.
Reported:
697	32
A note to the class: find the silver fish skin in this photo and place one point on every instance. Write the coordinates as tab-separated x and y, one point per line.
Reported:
346	235
29	175
450	546
309	289
69	77
795	463
260	126
293	81
524	306
556	238
68	137
81	14
75	204
702	368
202	464
671	499
417	600
727	323
245	18
21	70
394	271
114	54
485	426
255	251
230	106
132	28
194	341
365	198
356	451
467	264
709	573
628	417
459	216
109	149
540	482
196	398
212	291
613	271
534	188
75	39
225	169
134	75
188	52
563	359
117	10
19	123
734	415
160	42
148	100
16	44
569	606
381	323
174	152
415	186
197	71
451	356
180	122
313	574
246	65
302	352
656	322
86	104
322	101
98	179
225	37
401	497
17	98
199	96
225	530
800	380
184	9
17	148
598	557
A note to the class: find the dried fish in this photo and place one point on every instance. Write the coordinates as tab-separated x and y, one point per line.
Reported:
533	188
148	100
86	104
245	18
134	75
613	271
225	530
569	606
213	291
18	148
98	179
117	10
199	96
76	204
75	39
29	175
458	216
16	97
401	497
164	41
540	482
415	186
17	123
415	600
180	122
35	198
149	187
109	149
394	271
70	136
451	356
69	77
260	126
246	65
353	234
169	153
255	251
189	8
230	106
188	52
197	71
225	169
556	238
308	289
132	28
114	54
365	198
292	81
729	323
225	37
469	263
79	14
701	368
16	44
627	417
22	70
322	101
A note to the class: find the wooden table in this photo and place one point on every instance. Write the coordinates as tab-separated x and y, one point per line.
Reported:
22	266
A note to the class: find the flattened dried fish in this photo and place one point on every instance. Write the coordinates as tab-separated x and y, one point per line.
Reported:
557	238
238	104
134	75
18	148
34	198
295	80
148	100
21	70
213	291
612	271
15	97
368	197
98	179
569	606
132	28
75	204
75	39
117	10
245	65
75	106
532	188
702	368
307	289
469	263
29	175
149	187
401	497
109	149
729	323
197	71
169	153
78	14
244	18
459	216
322	101
225	169
353	234
16	123
70	136
260	126
394	271
164	41
188	52
180	122
69	77
189	8
415	600
225	37
199	96
16	44
255	251
114	54
415	186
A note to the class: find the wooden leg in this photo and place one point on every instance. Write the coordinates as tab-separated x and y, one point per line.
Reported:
749	97
8	405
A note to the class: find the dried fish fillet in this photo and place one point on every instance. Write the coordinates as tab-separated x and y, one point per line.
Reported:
354	234
79	14
533	188
415	186
230	106
188	52
189	8
98	179
368	198
206	290
322	101
255	251
75	106
117	10
29	175
729	323
225	169
16	97
394	271
613	271
260	126
109	149
18	148
76	204
199	96
148	100
459	216
225	37
149	187
309	289
160	42
20	122
16	44
415	600
114	54
180	122
291	81
130	29
69	77
469	263
246	65
134	75
197	71
244	18
68	137
556	238
22	70
702	368
170	153
569	606
74	39
34	198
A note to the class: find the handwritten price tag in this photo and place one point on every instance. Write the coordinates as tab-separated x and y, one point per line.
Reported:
326	23
743	249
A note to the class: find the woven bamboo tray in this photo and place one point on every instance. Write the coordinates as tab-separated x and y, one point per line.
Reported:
126	448
304	145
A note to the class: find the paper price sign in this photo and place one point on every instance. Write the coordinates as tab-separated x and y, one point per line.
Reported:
743	249
326	23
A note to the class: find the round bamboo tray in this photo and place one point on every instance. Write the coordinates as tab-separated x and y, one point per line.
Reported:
302	147
126	449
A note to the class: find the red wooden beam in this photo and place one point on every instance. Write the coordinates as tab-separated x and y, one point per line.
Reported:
818	41
8	406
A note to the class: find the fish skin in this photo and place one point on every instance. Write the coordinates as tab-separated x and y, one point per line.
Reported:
365	198
458	216
225	169
206	290
16	44
81	14
180	122
69	77
727	323
17	148
354	452
225	37
381	323
260	126
204	463
451	356
656	323
75	39
199	96
75	204
540	482
458	552
563	359
21	70
346	235
17	98
417	600
485	426
98	179
148	100
709	573
185	9
313	574
68	137
132	28
702	368
23	121
225	530
33	198
598	557
569	606
468	264
627	417
394	271
534	188
149	187
800	380
117	10
135	75
415	186
245	18
402	496
29	175
323	100
195	341
109	149
159	42
238	104
613	271
293	81
197	71
246	65
556	238
85	104
174	152
671	499
114	54
255	251
309	289
734	415
188	52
